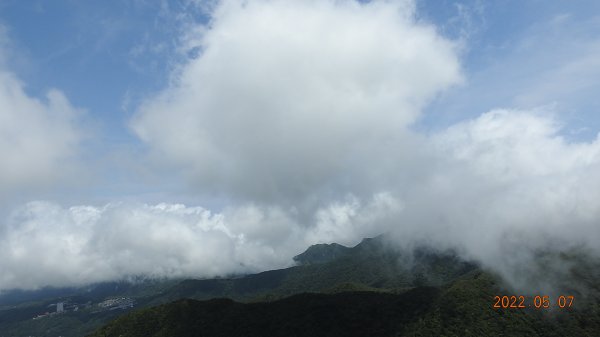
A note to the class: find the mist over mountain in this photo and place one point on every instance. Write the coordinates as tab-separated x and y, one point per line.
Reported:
372	285
380	291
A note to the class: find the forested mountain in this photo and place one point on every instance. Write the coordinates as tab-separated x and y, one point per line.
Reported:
461	308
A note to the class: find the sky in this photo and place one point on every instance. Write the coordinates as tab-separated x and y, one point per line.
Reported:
202	138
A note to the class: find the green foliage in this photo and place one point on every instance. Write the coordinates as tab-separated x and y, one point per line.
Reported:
322	253
343	314
461	308
465	309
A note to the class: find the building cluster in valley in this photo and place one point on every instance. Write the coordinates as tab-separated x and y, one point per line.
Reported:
106	305
117	303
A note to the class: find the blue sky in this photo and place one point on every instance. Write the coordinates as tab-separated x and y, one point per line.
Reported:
107	56
88	49
266	126
512	48
104	57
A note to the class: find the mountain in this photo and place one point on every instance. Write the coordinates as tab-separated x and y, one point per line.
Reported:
371	264
462	308
371	289
321	253
343	314
331	291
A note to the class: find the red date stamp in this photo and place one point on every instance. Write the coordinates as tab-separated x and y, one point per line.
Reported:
537	302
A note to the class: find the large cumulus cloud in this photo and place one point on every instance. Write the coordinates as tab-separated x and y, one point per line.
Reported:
291	101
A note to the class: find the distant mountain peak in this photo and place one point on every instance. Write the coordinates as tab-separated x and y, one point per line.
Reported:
321	253
327	252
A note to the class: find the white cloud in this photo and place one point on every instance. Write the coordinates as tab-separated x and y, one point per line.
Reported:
45	244
508	186
38	137
288	100
348	221
516	145
305	103
499	188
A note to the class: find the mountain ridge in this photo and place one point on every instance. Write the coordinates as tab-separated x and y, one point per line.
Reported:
461	308
372	266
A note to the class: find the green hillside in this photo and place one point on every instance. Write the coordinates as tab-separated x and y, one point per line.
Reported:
343	314
463	308
370	264
321	253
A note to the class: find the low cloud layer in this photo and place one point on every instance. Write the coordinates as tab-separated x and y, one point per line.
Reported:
45	244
